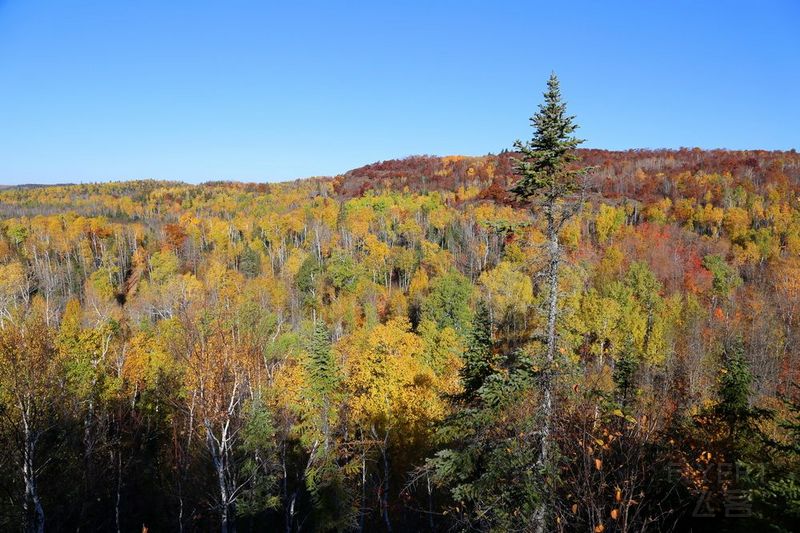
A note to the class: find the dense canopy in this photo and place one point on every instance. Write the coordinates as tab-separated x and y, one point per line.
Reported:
362	352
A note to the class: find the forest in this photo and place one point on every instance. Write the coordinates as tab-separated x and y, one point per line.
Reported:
546	339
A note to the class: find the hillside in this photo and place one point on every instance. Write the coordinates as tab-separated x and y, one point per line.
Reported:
318	344
638	174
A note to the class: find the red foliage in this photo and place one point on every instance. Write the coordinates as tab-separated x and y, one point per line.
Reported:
638	174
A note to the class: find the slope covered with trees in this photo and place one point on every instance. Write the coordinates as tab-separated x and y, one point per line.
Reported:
373	351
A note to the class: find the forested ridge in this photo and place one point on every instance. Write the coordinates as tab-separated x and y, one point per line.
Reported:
366	352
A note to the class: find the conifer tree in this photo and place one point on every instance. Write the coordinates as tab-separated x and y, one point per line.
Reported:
547	178
624	373
321	366
324	478
733	393
478	355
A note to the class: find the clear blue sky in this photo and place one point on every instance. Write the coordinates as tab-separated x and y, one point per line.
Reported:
263	91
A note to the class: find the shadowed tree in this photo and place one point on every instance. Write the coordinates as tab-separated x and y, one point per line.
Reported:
478	355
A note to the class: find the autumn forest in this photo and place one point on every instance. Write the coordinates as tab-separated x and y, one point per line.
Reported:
546	339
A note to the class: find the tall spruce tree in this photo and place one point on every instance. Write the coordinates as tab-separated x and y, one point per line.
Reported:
548	177
321	365
324	477
323	376
478	355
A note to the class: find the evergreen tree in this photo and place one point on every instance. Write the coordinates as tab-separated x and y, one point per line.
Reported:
776	485
545	163
321	365
324	478
547	177
743	435
734	384
478	355
623	375
250	262
487	463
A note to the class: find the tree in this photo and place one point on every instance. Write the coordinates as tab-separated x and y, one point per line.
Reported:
221	399
30	395
447	303
733	389
548	177
487	461
478	355
509	293
323	474
395	399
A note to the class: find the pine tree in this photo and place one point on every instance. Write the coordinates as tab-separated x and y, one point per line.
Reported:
486	460
321	364
734	383
478	355
547	178
544	167
323	476
733	407
624	373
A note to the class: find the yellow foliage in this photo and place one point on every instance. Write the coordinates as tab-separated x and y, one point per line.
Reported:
509	291
391	387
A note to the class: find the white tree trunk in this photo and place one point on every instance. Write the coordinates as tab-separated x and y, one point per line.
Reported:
540	517
32	505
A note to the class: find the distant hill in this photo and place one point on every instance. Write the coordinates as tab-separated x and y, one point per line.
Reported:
633	173
35	185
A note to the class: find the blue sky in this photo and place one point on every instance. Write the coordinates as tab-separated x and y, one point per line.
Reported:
264	91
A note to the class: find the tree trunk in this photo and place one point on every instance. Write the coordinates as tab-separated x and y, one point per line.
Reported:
361	511
32	505
227	515
541	514
385	491
118	499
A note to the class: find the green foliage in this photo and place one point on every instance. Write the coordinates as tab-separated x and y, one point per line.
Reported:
478	357
488	461
447	303
320	364
776	484
260	467
343	272
250	262
17	233
726	278
624	374
163	265
442	346
308	275
100	281
544	165
734	383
